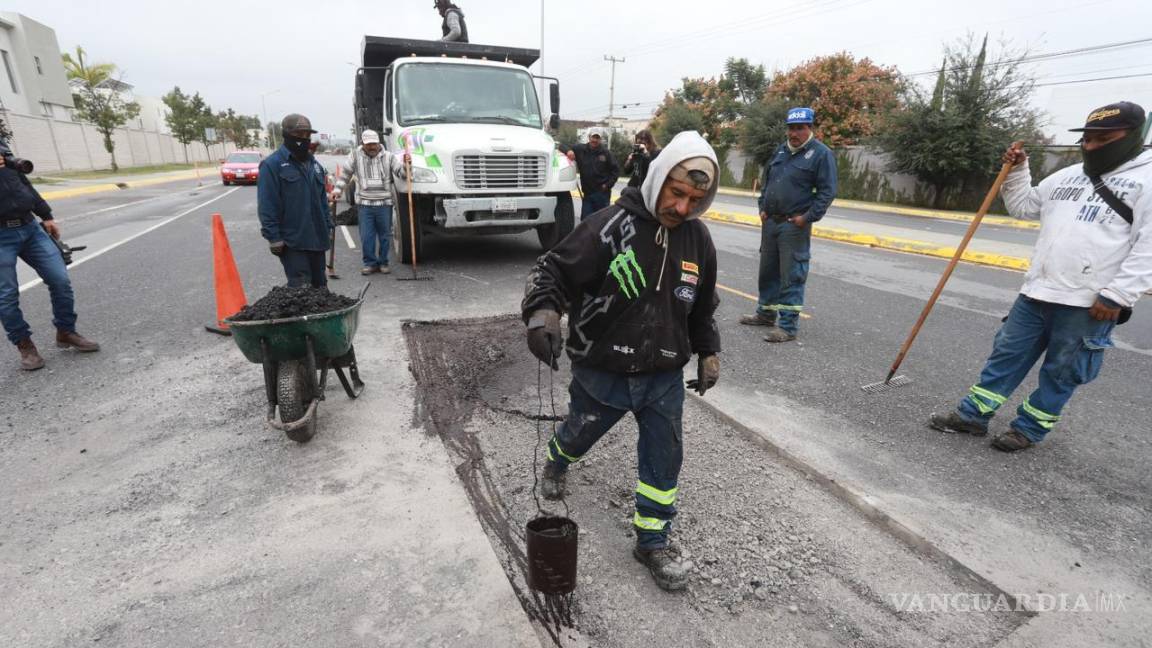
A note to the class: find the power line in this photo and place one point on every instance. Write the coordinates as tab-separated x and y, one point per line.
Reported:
1111	78
1080	51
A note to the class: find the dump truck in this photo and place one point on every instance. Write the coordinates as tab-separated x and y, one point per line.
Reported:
483	161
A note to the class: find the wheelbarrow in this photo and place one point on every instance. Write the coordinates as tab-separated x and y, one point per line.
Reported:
296	354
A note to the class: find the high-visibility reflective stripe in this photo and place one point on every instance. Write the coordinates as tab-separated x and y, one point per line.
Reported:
549	453
647	523
985	401
992	397
1043	419
556	444
785	307
665	497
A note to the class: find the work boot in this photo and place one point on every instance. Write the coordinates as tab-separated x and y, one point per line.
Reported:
553	481
385	269
953	423
777	335
670	573
758	319
1011	441
73	340
367	270
30	359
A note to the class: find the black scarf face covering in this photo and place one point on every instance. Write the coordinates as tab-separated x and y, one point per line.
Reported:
298	147
1109	157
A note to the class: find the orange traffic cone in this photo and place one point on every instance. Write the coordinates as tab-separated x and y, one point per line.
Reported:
229	291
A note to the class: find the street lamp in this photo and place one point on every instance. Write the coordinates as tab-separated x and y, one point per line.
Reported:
271	131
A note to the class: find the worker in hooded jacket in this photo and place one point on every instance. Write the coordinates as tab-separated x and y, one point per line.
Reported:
638	282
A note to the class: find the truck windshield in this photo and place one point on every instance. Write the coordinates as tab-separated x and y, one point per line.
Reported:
445	92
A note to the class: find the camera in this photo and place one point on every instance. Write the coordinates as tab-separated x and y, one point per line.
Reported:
638	150
20	164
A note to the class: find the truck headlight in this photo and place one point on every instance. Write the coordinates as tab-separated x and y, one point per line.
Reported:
420	174
568	173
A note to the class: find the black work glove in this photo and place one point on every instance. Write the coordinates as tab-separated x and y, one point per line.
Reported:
707	374
277	248
544	340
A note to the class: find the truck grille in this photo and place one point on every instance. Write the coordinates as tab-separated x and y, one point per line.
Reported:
501	171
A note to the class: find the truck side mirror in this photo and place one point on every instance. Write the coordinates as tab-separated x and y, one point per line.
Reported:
554	122
554	96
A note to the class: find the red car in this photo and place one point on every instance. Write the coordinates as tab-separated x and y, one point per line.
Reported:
240	167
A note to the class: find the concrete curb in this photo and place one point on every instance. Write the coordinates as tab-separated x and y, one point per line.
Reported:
964	217
886	242
101	188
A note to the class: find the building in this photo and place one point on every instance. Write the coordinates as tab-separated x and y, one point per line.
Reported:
33	79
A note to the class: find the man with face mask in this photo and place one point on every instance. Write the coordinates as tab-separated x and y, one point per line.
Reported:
293	205
373	168
1093	260
638	281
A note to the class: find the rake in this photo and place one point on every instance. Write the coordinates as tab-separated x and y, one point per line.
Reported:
893	381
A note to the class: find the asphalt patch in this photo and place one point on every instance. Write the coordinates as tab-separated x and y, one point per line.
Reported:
774	553
283	302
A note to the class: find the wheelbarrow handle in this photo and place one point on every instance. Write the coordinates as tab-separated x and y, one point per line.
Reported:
363	291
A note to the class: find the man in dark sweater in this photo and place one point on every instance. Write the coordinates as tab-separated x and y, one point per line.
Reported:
453	26
638	281
599	172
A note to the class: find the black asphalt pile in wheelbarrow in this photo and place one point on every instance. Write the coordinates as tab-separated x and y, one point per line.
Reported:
348	217
284	302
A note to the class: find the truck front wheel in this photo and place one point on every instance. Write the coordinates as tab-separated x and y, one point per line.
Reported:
552	234
402	232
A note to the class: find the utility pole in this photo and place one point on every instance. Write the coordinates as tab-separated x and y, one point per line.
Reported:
612	95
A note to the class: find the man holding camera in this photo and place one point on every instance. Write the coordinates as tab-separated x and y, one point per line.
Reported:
21	236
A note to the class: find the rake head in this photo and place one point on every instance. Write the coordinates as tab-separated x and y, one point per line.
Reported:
887	385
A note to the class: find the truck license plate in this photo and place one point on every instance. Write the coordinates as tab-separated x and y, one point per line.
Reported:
503	205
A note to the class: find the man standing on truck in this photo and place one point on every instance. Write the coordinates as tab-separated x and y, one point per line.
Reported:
598	173
638	281
454	28
293	205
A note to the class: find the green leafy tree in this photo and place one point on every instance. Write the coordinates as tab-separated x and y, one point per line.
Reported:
205	121
236	128
97	98
762	130
746	81
185	114
676	117
5	131
952	138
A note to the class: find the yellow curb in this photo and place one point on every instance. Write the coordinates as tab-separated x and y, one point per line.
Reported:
78	191
100	188
887	243
1002	221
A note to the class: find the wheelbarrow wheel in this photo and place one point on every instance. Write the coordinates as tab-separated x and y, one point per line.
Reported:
294	395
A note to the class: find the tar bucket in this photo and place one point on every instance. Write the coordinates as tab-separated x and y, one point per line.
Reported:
552	555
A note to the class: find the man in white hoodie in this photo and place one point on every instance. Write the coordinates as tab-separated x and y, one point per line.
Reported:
373	168
1092	262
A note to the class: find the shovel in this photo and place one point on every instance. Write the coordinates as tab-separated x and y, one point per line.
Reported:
332	253
893	381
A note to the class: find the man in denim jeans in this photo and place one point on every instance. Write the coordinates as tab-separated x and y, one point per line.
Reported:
1091	263
22	237
373	168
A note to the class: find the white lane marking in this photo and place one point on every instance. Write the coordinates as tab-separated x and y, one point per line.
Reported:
89	257
348	237
106	209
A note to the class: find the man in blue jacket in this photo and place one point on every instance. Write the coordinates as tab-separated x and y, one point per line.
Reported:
293	205
799	185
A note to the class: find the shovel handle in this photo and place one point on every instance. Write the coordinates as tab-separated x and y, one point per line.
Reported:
987	204
411	211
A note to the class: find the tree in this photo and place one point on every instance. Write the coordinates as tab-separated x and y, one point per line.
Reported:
205	120
97	97
275	137
953	138
5	132
185	114
746	81
237	128
848	95
762	130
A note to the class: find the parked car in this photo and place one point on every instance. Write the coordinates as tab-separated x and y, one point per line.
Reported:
240	167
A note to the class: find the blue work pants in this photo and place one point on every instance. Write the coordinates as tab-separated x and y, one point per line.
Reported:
32	244
375	233
785	252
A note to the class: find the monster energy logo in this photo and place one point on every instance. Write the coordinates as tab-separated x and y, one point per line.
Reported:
622	267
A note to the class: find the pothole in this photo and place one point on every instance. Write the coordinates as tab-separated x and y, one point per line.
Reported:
776	555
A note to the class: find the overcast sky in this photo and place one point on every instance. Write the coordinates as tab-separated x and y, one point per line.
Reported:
304	52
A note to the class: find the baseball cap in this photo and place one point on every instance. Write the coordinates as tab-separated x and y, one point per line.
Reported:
595	134
1122	115
699	172
801	116
296	122
369	136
